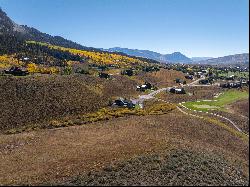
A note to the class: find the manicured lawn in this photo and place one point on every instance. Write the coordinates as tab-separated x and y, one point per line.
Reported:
237	73
220	102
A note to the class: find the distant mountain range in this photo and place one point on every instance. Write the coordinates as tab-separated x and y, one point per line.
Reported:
168	58
13	37
197	59
12	33
237	59
177	57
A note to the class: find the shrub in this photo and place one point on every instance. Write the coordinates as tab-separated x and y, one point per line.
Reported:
67	70
32	68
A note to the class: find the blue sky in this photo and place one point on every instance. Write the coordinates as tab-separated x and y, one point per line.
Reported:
194	27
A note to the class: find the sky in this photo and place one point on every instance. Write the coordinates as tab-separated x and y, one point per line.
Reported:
196	28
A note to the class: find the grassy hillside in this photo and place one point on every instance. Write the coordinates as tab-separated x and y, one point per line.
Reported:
176	168
97	153
101	58
37	99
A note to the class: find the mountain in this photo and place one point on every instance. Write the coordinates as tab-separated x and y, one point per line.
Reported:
177	57
136	52
14	37
172	58
237	59
197	59
9	27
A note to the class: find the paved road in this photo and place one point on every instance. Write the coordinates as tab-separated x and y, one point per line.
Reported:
195	82
151	95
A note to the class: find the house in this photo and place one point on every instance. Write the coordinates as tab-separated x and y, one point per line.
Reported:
231	77
128	72
178	80
189	77
16	71
243	81
151	68
199	73
104	75
124	103
144	87
231	85
191	73
204	81
204	71
177	90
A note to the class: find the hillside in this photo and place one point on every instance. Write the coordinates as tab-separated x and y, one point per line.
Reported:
237	59
169	149
14	42
175	57
32	100
8	26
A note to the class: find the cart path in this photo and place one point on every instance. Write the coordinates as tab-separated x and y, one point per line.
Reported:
214	114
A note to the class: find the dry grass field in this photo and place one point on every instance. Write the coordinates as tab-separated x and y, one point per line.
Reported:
56	156
178	167
240	107
84	142
162	78
192	94
37	99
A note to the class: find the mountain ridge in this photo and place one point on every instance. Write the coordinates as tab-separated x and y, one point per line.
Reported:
167	58
9	30
236	59
9	27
